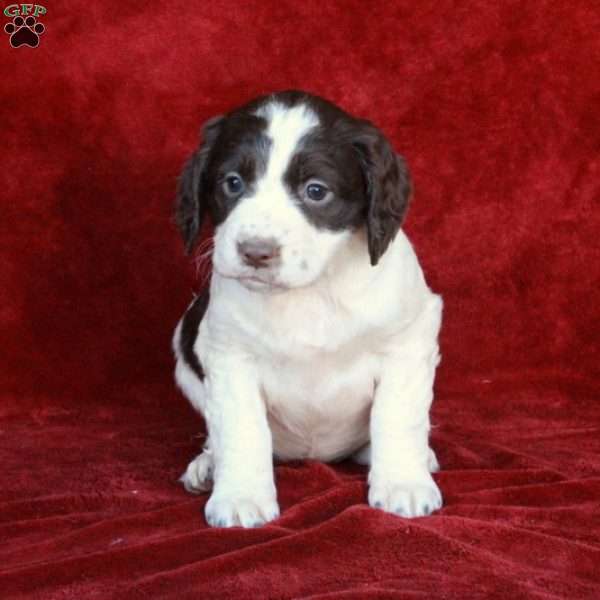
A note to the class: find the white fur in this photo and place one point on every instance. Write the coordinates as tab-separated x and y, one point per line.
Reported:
342	356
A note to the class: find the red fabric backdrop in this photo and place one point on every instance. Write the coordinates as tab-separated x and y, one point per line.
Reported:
497	108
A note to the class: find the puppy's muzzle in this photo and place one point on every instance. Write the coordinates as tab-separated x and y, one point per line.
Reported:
260	253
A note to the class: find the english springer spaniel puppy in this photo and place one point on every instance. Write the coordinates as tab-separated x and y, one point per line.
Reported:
317	337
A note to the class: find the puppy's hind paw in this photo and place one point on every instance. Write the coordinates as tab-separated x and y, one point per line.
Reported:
198	475
432	462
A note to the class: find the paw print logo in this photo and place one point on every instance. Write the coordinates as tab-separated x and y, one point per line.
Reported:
24	32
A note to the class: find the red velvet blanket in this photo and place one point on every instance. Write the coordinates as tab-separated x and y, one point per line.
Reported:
496	106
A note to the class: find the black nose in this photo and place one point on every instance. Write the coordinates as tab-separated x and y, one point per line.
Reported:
259	252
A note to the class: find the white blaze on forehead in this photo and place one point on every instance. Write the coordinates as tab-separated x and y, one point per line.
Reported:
287	126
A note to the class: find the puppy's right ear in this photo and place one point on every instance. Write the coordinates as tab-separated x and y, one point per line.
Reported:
192	197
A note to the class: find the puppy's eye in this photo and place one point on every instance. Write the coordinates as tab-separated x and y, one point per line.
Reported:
317	192
233	185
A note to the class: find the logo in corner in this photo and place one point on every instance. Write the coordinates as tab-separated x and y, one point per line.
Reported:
25	29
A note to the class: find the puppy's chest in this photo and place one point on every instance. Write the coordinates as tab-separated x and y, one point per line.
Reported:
319	407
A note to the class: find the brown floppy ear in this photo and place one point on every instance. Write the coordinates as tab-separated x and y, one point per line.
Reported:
192	194
388	185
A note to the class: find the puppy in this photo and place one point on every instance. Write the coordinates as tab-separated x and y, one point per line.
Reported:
317	338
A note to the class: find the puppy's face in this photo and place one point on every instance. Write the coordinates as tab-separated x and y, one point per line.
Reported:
286	180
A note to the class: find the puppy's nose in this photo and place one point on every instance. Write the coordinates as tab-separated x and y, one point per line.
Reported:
259	252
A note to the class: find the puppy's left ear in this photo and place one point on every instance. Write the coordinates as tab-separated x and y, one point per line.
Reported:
192	192
388	186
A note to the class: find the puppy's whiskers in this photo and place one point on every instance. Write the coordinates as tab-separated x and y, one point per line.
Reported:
203	260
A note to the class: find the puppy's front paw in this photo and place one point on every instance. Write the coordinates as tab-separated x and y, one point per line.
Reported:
409	498
248	510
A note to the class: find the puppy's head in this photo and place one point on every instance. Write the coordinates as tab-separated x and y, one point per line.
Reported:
286	180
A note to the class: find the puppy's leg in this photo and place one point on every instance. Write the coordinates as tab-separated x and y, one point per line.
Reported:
243	485
198	475
399	480
363	457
